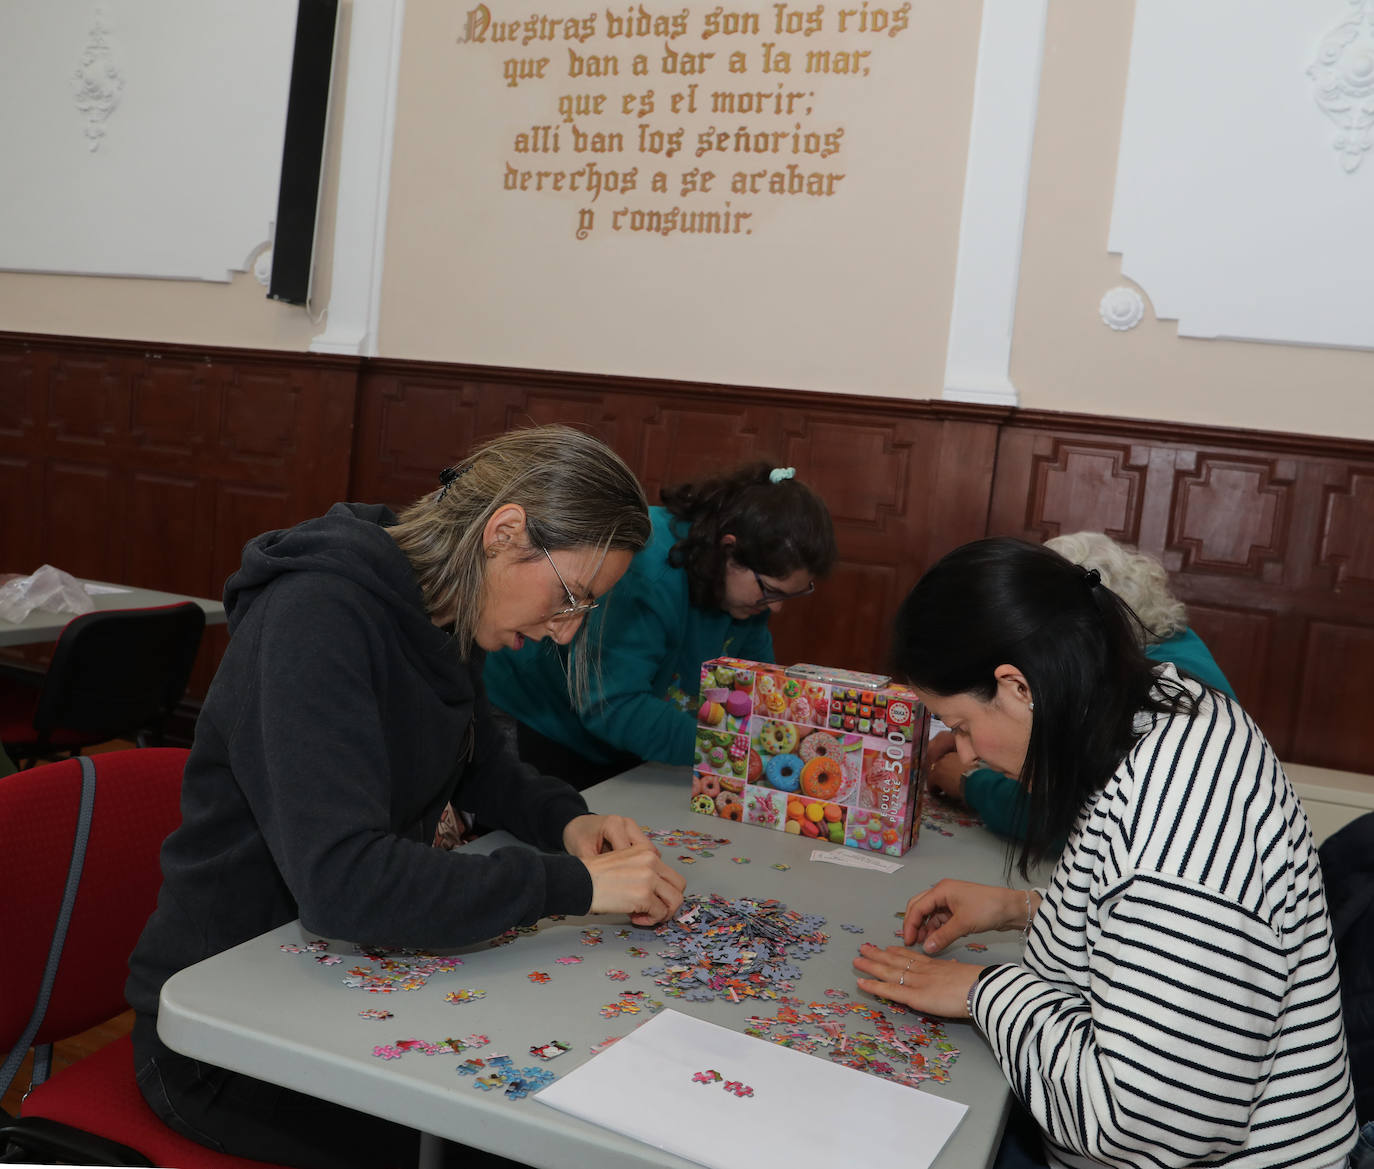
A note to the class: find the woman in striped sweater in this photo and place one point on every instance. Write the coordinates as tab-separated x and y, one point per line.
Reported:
1178	1001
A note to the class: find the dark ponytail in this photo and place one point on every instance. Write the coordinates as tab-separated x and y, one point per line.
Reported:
778	528
1003	601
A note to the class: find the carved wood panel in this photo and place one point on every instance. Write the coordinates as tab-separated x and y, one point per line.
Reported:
117	455
1331	729
1086	487
1347	533
902	484
154	467
1230	515
1263	535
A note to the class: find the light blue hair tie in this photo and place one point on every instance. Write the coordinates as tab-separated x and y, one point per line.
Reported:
778	474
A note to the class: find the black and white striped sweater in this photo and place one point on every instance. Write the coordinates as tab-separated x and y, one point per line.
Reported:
1178	1004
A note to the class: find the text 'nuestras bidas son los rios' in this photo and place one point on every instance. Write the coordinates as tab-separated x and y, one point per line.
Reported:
680	122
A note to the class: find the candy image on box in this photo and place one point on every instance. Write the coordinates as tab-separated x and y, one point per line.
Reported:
829	754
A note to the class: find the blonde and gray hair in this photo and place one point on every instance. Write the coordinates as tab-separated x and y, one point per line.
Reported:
575	491
1134	576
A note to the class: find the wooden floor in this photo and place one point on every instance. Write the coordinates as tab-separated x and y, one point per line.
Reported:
79	1046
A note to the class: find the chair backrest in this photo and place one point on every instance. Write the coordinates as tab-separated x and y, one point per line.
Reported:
137	804
118	672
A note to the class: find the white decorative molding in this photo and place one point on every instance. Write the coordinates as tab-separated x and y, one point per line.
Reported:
355	292
98	81
262	267
1227	212
1343	76
1122	308
1006	94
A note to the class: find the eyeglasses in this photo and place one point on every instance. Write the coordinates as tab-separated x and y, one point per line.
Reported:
769	596
575	608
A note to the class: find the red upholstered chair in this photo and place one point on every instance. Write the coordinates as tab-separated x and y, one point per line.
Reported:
114	674
84	1113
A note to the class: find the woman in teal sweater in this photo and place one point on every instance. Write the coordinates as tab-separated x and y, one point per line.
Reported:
1141	582
724	554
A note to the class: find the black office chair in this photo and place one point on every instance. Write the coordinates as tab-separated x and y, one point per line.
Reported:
114	674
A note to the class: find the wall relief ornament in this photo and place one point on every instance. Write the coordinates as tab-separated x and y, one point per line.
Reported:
1343	75
1122	308
97	82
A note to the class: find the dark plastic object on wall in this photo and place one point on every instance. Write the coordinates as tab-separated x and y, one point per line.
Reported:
307	115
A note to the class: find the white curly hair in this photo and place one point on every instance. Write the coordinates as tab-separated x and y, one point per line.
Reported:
1134	576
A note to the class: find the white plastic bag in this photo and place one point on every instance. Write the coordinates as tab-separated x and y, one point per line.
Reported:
49	588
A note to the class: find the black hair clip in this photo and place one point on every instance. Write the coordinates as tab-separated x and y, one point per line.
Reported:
1092	578
448	477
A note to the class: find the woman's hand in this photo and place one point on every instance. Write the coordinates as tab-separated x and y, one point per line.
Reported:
591	835
951	910
635	881
941	745
947	775
935	986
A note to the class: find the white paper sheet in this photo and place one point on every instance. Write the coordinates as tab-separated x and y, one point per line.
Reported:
855	860
805	1112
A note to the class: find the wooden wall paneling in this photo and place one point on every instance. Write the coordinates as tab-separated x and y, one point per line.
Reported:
616	415
154	465
1256	531
87	400
82	508
19	407
1245	644
409	428
1231	515
1331	728
129	448
903	482
1347	532
20	492
172	409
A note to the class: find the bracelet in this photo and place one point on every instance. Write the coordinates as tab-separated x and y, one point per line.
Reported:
1025	929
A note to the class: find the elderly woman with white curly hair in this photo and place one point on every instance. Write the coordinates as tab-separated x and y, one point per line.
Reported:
1140	581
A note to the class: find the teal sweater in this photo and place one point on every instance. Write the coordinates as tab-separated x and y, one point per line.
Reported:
652	641
997	797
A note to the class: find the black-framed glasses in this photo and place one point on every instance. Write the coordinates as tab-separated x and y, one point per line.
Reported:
575	608
768	596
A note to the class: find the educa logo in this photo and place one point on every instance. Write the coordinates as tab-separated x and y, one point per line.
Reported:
899	713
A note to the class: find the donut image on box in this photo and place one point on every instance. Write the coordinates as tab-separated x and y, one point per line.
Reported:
782	772
834	756
837	775
774	737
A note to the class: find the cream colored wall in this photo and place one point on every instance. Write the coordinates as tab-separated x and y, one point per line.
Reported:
170	311
1063	356
853	296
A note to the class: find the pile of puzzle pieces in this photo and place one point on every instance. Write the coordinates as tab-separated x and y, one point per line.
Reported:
734	949
889	1050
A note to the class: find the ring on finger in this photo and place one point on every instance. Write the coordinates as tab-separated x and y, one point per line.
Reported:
902	981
